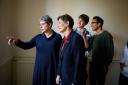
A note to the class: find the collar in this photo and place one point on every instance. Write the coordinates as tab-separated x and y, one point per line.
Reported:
66	37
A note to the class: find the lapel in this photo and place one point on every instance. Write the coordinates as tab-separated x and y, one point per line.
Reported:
62	51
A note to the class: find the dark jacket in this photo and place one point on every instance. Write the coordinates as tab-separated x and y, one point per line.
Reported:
72	63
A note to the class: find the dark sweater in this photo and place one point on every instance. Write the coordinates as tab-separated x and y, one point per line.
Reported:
102	48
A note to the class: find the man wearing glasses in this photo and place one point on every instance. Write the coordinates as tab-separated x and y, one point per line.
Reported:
102	52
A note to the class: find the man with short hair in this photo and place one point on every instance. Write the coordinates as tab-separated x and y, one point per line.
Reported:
83	20
102	52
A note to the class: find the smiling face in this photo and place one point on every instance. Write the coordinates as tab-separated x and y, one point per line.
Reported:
62	25
80	23
94	25
44	26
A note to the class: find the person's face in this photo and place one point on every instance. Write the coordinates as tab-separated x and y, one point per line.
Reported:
62	25
94	25
44	26
80	23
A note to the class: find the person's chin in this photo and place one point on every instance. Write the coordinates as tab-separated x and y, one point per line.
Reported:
60	30
42	31
79	26
93	29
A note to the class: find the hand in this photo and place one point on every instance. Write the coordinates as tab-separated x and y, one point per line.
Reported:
82	30
11	40
122	66
58	79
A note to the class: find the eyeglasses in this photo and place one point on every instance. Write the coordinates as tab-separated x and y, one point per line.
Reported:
93	22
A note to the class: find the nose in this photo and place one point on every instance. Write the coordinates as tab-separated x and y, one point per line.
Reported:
40	26
58	26
91	25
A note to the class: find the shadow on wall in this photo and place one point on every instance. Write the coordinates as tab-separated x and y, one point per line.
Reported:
118	45
113	74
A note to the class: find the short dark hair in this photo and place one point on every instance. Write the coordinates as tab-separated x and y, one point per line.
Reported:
99	20
85	18
47	19
66	18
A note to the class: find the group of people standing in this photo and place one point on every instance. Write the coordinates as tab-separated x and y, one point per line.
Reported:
63	61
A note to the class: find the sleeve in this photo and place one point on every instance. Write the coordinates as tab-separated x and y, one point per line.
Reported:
59	65
26	45
59	40
126	55
109	45
60	60
90	40
124	58
80	61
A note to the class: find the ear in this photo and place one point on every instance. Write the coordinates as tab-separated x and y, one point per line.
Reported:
50	25
99	24
67	23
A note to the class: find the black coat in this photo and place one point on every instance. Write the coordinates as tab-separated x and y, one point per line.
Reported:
72	62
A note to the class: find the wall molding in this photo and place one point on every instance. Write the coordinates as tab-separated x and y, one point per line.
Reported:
5	61
23	59
30	59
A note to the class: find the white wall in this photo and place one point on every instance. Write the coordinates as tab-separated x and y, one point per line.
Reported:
26	25
5	53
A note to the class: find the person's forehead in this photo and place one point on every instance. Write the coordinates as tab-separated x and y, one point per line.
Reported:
42	21
60	20
94	20
80	20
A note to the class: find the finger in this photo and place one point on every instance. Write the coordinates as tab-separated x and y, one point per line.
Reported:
13	40
57	81
9	42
